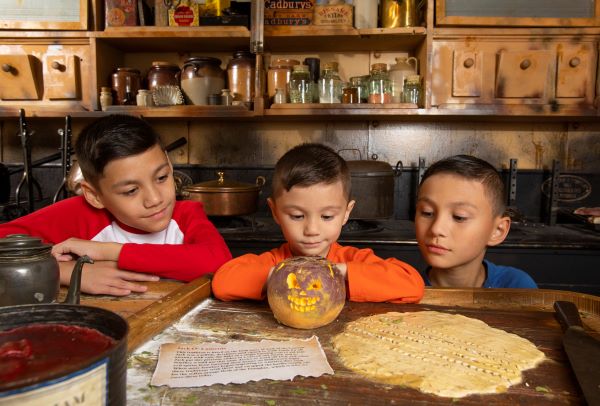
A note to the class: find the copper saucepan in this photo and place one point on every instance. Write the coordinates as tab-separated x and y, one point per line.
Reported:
223	197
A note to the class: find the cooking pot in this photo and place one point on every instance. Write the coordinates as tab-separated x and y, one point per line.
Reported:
99	379
226	197
373	188
28	271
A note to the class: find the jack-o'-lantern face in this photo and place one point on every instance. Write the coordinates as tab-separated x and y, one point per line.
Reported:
306	292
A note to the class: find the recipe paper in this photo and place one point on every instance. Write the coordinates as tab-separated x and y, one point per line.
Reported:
188	365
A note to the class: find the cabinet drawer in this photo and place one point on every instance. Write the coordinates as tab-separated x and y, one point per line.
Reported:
19	78
39	74
524	74
576	66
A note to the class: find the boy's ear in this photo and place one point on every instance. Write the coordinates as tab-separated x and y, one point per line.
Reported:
271	204
349	208
500	231
91	195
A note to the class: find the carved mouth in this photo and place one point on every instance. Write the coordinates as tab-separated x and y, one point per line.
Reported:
303	304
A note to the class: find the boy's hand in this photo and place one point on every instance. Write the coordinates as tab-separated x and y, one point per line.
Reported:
104	278
75	247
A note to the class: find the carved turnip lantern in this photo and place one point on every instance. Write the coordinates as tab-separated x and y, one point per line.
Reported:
306	292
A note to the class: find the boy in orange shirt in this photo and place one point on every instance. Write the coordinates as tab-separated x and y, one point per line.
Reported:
311	202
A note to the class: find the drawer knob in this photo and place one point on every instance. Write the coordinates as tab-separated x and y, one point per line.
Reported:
526	63
7	68
574	62
58	66
468	63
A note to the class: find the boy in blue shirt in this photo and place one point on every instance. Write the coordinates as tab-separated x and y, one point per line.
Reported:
460	212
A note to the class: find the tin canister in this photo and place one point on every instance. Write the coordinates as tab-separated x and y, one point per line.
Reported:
396	13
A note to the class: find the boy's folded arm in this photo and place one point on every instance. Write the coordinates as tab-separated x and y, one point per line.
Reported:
387	280
183	262
98	251
243	277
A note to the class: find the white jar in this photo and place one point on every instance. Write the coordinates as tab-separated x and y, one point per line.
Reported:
144	98
365	13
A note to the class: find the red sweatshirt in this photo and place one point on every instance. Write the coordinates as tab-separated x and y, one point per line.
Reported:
189	247
370	278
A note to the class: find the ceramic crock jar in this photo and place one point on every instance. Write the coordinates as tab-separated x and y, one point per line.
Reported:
278	76
163	74
125	84
28	271
240	74
200	77
223	197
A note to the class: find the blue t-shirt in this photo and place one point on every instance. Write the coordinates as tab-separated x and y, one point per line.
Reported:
499	276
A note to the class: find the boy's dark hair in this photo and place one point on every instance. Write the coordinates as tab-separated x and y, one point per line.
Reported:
472	168
109	138
309	164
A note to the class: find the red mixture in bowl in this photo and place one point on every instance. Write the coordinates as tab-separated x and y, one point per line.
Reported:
45	350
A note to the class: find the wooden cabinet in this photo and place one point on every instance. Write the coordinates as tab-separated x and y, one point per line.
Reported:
45	72
531	71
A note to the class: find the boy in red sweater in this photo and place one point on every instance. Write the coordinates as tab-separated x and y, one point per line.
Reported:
127	220
311	202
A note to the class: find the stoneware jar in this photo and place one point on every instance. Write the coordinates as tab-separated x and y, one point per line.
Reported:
29	273
240	74
162	74
125	84
278	76
201	77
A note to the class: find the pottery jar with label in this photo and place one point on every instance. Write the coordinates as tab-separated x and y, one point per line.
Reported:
240	74
163	74
278	76
201	77
125	84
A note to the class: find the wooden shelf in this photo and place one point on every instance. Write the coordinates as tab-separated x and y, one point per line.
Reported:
176	39
290	110
341	39
184	111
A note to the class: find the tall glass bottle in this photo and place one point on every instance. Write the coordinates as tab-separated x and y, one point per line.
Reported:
330	84
380	85
301	86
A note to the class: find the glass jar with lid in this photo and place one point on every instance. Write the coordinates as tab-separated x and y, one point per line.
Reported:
278	76
163	74
240	74
330	84
380	85
301	86
200	77
412	90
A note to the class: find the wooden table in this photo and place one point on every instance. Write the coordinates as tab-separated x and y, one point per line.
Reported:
527	313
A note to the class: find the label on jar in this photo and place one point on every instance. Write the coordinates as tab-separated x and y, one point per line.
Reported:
86	387
184	15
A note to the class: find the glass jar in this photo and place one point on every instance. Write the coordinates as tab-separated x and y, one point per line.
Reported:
278	76
301	86
350	94
201	77
125	84
240	73
163	74
412	90
380	85
361	83
314	69
330	84
280	96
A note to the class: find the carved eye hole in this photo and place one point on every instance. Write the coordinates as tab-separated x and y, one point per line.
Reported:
292	281
315	284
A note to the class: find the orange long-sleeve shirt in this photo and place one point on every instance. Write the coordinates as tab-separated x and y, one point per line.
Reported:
370	278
